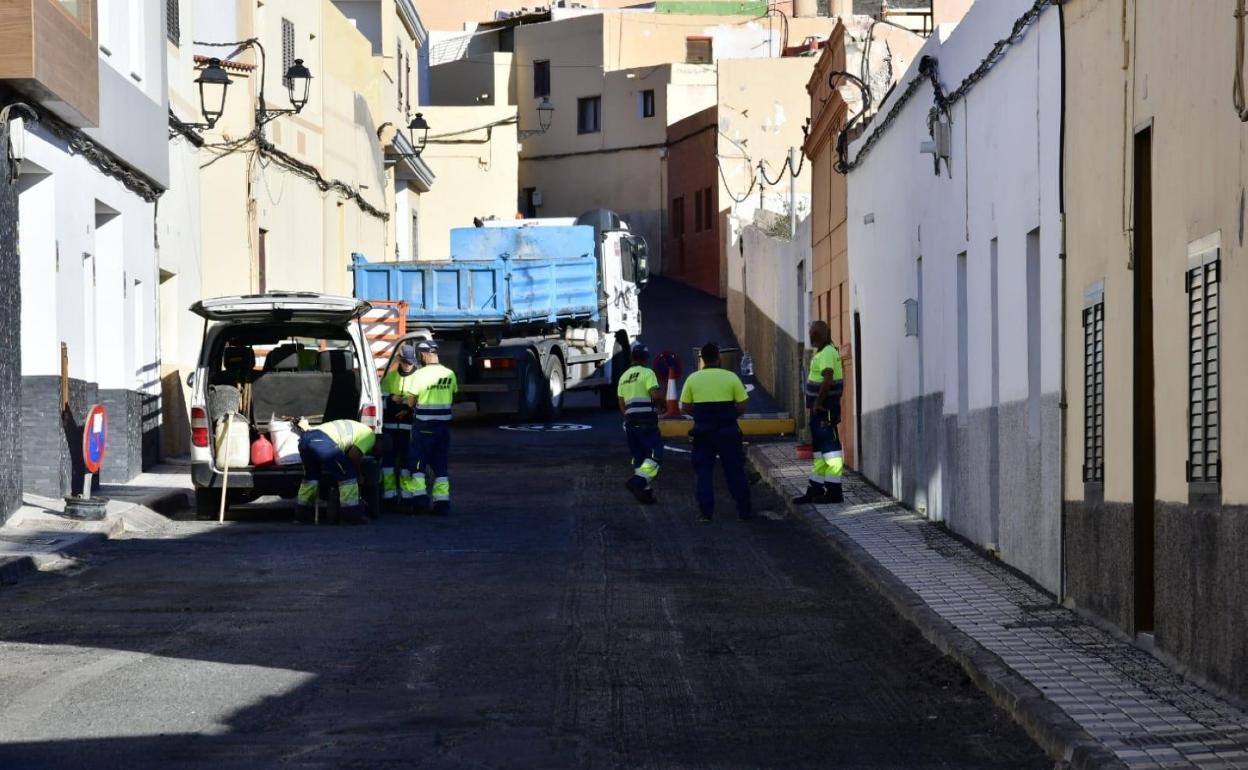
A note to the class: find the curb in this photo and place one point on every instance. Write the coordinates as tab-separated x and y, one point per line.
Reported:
1056	732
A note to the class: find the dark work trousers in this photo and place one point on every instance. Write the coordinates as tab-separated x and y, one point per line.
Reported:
322	459
644	443
724	442
429	452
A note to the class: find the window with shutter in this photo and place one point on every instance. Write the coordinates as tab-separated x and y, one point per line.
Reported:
288	48
1204	463
173	25
698	50
589	115
398	75
1094	385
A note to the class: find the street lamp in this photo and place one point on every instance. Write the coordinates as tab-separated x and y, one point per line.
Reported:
419	124
545	115
213	82
298	81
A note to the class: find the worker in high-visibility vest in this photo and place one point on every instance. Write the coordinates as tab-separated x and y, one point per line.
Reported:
640	402
433	389
396	388
824	386
716	397
336	450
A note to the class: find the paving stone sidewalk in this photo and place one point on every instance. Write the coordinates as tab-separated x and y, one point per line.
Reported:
1085	695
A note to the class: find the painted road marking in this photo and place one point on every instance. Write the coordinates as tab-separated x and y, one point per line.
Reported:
554	427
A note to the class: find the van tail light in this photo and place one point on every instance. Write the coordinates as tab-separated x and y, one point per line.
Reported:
199	426
368	416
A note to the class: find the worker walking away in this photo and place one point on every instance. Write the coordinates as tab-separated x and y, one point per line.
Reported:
396	423
640	401
433	393
716	398
824	387
336	450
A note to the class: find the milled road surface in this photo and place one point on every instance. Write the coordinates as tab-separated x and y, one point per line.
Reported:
551	622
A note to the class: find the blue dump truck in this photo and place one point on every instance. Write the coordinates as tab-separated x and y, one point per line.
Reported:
524	311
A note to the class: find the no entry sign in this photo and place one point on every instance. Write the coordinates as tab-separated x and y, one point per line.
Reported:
95	438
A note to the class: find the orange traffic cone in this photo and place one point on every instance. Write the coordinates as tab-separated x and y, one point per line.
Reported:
673	401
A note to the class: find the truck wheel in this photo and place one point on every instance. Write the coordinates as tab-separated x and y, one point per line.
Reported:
207	504
556	385
531	388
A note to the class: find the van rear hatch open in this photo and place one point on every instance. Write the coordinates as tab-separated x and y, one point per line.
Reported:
303	307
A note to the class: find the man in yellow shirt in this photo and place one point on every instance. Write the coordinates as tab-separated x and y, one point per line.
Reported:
639	398
715	397
396	388
824	386
433	391
336	450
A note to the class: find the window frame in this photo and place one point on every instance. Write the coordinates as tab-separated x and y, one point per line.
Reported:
581	102
647	103
692	42
541	75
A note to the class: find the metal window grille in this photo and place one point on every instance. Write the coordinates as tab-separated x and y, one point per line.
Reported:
1094	392
1204	463
541	79
288	48
698	50
173	25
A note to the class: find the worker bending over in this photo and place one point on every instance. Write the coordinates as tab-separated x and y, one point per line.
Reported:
716	398
433	393
824	387
396	421
640	400
336	449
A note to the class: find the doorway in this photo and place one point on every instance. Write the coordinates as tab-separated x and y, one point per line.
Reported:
1144	492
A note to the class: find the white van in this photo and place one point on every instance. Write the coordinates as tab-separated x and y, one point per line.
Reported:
275	356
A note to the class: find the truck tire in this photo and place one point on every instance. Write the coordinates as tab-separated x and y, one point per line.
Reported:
556	388
529	400
207	504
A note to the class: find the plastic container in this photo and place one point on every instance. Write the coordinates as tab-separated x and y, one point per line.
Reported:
285	442
262	453
237	452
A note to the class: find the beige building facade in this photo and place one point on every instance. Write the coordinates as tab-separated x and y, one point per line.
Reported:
1154	487
283	206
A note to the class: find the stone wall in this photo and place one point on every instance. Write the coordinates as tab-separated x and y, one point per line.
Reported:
10	342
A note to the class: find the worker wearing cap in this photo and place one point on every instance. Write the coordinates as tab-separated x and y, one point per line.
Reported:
396	386
640	400
715	397
336	449
433	393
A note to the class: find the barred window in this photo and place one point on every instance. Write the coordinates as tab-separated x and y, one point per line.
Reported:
1204	463
1094	386
173	25
288	48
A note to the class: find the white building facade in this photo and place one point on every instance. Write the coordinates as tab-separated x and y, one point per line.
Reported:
89	273
956	292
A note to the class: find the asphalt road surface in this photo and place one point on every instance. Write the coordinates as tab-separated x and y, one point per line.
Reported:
550	622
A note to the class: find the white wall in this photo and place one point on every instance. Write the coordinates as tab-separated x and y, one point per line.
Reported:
966	465
109	327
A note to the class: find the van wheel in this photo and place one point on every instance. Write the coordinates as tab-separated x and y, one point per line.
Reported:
207	504
531	388
556	384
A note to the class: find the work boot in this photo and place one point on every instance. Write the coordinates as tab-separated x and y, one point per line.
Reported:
418	504
833	493
815	494
704	517
442	508
637	485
